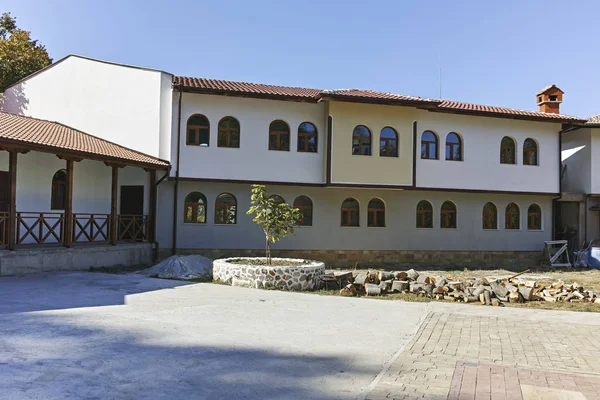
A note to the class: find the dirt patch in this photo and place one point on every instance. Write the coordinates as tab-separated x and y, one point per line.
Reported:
263	263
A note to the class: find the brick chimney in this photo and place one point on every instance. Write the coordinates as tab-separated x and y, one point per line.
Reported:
549	99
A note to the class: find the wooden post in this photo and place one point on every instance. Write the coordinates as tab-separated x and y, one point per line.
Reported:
68	221
12	210
113	205
152	216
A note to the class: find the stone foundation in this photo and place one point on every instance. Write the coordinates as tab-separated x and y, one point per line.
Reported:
389	258
298	278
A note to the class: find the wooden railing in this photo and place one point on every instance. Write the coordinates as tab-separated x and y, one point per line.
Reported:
40	227
91	227
132	228
4	228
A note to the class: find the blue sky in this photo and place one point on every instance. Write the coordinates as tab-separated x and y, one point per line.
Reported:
492	52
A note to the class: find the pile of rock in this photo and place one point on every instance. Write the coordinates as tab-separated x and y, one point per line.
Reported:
489	291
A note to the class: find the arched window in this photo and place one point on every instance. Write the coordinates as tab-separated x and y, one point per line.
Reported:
279	136
512	217
424	214
307	138
198	129
195	208
429	146
453	147
507	151
226	209
376	216
490	216
534	218
277	198
388	142
530	152
350	212
304	204
361	141
448	215
58	196
229	133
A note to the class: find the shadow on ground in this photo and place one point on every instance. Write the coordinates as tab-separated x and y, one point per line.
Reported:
43	357
73	290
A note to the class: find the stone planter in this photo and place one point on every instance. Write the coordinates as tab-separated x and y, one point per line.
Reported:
297	278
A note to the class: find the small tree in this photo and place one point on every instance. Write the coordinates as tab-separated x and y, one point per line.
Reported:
276	220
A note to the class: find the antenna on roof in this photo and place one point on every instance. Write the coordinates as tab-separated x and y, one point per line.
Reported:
440	75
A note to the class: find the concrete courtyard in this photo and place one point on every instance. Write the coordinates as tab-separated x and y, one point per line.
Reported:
89	336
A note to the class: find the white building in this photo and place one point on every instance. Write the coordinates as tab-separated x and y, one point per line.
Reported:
380	177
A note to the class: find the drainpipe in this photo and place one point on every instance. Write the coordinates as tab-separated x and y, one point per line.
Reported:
176	187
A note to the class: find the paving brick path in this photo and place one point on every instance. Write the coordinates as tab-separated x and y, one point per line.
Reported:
481	352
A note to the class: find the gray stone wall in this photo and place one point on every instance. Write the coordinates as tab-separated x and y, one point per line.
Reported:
389	258
297	278
26	261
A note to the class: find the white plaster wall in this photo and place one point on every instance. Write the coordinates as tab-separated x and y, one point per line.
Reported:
117	103
594	161
166	109
577	159
253	160
481	168
400	232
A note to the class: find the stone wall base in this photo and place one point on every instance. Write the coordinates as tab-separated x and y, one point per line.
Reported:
79	258
388	258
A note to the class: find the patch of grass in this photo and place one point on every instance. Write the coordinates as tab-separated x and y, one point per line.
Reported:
119	269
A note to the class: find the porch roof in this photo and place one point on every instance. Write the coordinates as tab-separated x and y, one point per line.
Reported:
49	136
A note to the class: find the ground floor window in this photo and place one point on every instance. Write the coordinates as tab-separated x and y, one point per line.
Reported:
304	204
376	216
534	218
350	212
424	214
512	217
490	216
226	209
448	215
195	208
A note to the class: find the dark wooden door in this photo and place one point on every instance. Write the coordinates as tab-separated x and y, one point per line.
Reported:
4	191
4	205
132	223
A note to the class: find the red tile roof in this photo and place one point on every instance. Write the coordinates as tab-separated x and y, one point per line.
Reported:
594	120
215	86
18	129
478	108
369	95
218	86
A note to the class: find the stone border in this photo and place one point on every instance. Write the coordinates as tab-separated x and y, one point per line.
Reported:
296	278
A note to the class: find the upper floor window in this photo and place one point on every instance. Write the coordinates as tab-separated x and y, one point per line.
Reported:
229	133
198	129
429	145
226	209
490	216
350	212
534	217
507	151
277	199
307	138
448	215
361	141
512	217
453	147
530	152
279	136
388	142
58	196
376	215
424	214
195	208
304	204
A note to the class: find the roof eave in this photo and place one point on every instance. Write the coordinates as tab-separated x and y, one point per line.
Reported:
218	92
506	116
367	100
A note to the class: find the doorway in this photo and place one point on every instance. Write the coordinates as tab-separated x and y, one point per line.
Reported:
131	213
